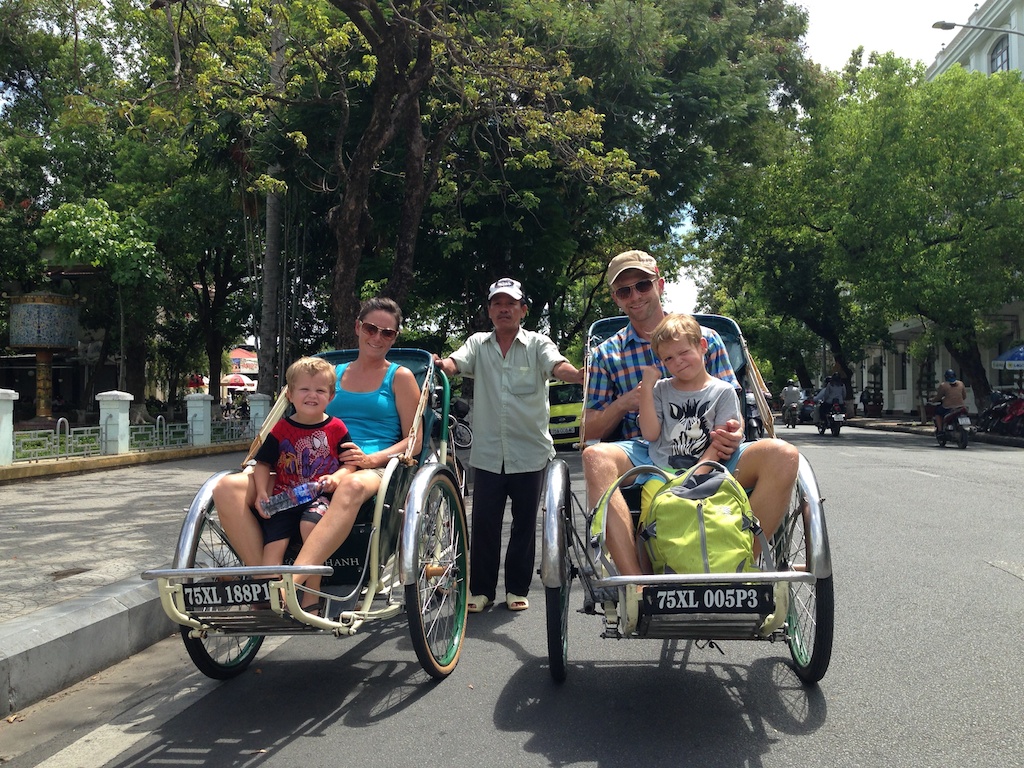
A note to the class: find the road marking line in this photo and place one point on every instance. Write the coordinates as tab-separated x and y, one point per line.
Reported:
1014	569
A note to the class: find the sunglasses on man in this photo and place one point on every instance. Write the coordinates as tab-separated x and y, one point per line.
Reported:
642	286
373	330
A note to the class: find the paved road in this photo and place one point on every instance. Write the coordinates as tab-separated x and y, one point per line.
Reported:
930	599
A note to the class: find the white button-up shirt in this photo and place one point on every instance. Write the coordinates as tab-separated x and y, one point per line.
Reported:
510	400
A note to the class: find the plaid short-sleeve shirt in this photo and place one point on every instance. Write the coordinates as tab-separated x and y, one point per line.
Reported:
617	364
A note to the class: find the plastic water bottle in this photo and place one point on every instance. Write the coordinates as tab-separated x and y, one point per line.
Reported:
303	493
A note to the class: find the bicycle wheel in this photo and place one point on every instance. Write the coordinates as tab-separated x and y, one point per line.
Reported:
555	556
216	656
462	435
811	614
436	602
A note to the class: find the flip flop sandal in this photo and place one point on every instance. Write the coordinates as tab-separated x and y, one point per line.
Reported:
478	603
516	602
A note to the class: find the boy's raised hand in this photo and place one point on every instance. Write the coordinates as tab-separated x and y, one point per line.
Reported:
651	376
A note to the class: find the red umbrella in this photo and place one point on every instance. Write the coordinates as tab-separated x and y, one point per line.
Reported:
237	380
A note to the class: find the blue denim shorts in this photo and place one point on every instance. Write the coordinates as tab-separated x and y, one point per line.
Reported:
639	454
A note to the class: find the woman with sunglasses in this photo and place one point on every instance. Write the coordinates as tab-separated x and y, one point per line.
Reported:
379	400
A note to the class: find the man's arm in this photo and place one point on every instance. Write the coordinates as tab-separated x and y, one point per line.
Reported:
567	372
605	411
599	424
447	365
462	360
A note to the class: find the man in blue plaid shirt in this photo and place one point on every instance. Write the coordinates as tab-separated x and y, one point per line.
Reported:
769	467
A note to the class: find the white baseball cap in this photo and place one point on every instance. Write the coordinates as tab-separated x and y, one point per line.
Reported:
506	285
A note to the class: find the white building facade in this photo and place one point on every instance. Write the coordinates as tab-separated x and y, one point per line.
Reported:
998	48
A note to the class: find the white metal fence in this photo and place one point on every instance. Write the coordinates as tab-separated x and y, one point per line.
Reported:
65	441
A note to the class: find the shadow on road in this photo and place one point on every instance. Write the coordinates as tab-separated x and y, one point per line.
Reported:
673	712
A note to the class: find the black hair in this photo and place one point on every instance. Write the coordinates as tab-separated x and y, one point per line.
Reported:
382	304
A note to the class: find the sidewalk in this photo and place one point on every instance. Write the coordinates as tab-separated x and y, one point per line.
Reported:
74	537
72	547
907	423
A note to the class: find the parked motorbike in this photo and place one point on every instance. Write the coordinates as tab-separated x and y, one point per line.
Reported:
790	415
956	428
832	419
754	428
1005	416
462	433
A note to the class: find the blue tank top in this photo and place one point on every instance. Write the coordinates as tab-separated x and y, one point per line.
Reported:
371	417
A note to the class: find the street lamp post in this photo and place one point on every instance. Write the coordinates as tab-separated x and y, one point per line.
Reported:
948	25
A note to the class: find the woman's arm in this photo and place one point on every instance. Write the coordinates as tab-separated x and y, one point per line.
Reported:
407	399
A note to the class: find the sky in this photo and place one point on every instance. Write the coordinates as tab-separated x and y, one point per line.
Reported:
902	26
836	27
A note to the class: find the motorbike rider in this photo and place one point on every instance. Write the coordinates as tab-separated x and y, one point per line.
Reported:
834	389
951	395
791	396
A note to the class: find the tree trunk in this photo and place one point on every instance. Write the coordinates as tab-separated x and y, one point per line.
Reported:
215	353
420	179
404	69
135	348
268	340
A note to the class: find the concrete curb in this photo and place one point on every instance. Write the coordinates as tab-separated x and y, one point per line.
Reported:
48	650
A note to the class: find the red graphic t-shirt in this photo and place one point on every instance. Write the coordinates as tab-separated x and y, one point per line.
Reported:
300	453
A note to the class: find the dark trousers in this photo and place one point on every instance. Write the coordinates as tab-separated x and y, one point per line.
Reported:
490	491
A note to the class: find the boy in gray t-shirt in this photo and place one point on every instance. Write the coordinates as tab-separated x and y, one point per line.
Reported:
678	414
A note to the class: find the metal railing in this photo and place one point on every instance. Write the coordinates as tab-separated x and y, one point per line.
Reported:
65	442
231	430
61	442
160	434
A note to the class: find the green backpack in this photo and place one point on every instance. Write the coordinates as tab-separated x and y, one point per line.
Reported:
699	523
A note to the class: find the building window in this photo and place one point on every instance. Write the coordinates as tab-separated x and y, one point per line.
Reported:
999	60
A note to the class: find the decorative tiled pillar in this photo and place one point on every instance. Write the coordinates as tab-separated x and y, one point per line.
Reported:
43	322
198	409
114	407
7	398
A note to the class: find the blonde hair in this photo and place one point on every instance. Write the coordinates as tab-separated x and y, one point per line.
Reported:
676	327
311	366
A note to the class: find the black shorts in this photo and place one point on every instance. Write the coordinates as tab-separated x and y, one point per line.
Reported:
285	524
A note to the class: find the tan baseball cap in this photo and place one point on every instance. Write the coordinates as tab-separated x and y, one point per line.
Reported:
631	260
